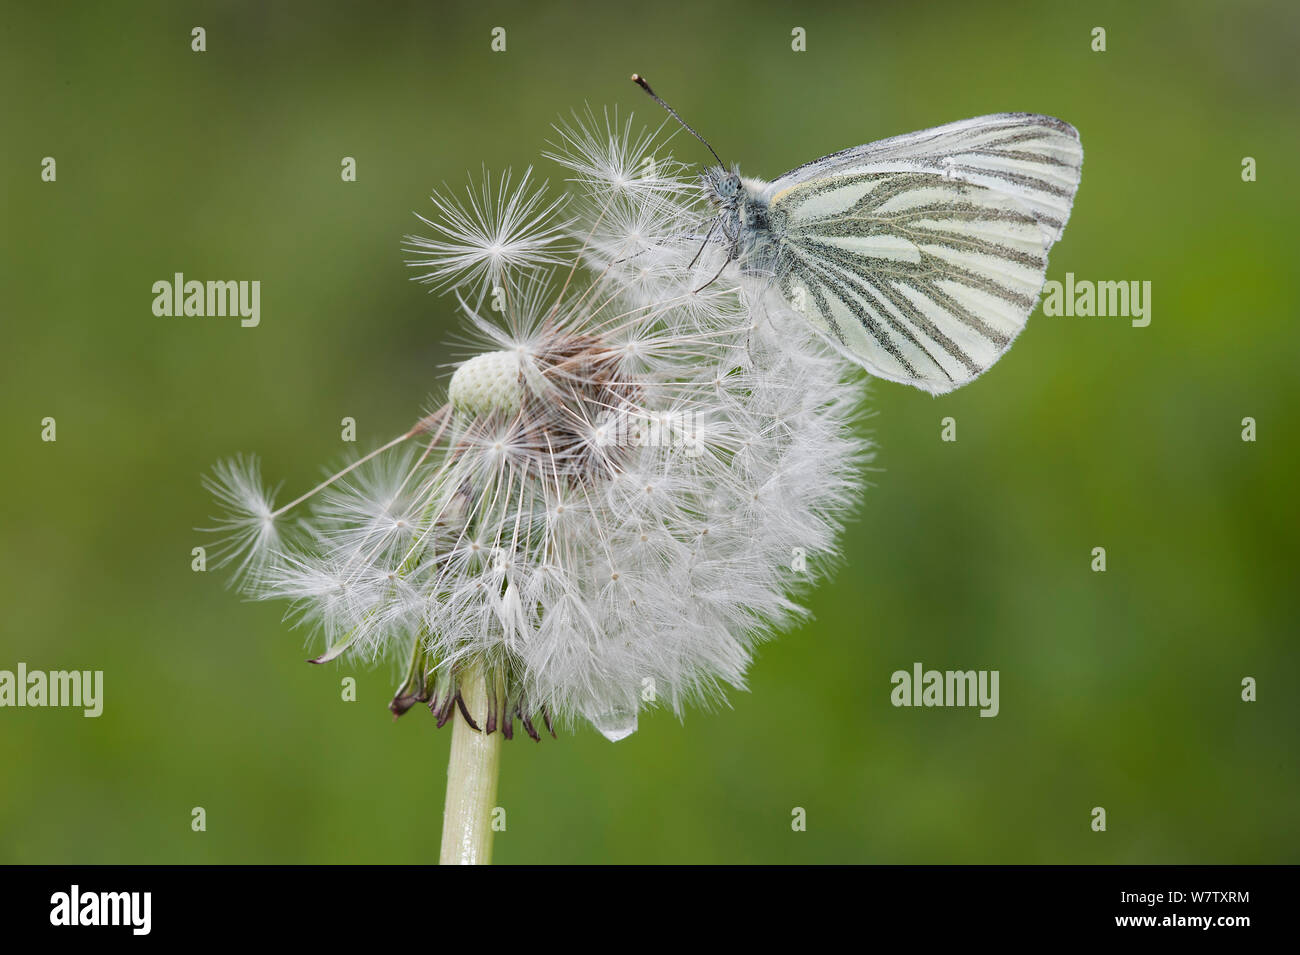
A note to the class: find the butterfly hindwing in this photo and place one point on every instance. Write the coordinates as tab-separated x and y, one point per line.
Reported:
922	256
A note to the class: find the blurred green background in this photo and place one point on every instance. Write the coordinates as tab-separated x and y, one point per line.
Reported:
1119	690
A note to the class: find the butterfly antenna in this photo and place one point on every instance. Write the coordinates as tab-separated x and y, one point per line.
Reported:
639	80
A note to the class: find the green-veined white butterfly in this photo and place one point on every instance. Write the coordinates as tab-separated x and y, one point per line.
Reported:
920	257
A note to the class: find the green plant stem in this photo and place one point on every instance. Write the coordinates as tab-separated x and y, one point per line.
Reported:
472	772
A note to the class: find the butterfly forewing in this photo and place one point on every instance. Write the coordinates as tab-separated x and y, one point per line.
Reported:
922	256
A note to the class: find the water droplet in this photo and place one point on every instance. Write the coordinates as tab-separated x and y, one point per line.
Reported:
616	724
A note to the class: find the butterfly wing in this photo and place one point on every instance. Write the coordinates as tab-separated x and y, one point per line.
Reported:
922	256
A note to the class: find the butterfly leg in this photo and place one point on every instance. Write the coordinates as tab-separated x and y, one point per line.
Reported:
731	257
700	251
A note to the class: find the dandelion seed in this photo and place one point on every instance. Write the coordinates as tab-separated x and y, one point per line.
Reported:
249	533
606	156
488	234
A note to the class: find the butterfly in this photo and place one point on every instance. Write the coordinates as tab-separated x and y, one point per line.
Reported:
919	257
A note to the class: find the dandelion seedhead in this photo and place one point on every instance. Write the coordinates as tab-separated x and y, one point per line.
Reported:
626	487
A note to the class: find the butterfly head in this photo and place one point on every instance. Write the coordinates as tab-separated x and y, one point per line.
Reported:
722	187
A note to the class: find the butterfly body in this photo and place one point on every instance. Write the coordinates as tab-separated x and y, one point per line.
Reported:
742	222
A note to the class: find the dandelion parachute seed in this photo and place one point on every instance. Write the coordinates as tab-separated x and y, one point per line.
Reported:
488	234
613	506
